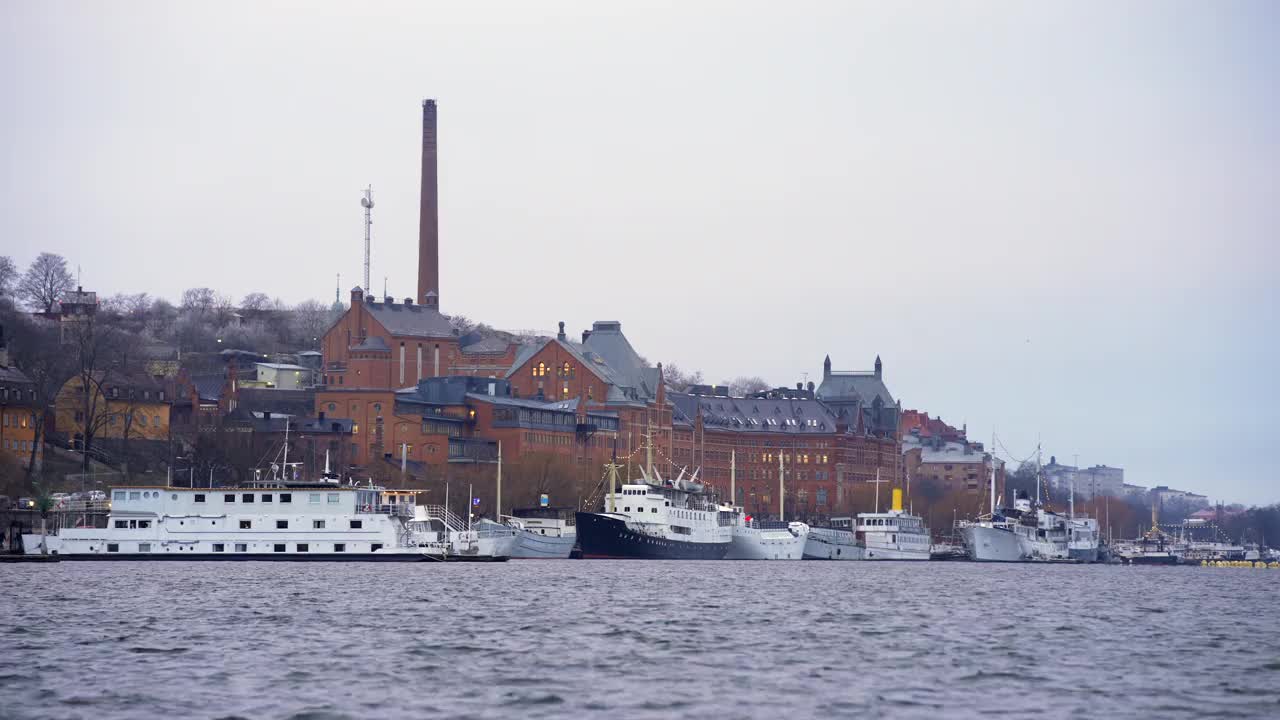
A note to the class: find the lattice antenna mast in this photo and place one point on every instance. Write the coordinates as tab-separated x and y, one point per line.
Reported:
367	203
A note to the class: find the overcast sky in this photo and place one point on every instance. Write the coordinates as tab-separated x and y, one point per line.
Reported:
1057	220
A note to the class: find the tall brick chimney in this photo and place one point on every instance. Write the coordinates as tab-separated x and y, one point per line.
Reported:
429	211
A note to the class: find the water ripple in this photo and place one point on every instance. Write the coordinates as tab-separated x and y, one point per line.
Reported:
635	639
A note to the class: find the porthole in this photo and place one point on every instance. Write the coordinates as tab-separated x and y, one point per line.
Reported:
173	496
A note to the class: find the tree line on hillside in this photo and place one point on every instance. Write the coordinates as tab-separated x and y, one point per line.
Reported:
202	320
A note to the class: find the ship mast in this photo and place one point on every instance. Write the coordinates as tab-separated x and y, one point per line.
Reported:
498	516
613	484
781	490
733	477
992	509
877	507
648	450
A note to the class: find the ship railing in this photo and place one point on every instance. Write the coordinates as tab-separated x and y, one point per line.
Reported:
398	509
446	516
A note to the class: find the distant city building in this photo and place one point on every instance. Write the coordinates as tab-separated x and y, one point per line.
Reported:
1165	494
17	403
283	376
1088	482
950	464
919	424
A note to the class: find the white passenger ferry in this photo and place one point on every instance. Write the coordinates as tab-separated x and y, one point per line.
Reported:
294	522
893	535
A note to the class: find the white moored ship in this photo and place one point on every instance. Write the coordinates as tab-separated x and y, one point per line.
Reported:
893	535
766	540
300	522
755	539
547	533
835	541
991	538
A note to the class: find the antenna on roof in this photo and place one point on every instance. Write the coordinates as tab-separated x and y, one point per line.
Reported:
367	203
337	289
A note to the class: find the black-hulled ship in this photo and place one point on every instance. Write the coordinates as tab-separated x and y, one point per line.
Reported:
657	520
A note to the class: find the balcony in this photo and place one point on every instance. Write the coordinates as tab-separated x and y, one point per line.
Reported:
472	450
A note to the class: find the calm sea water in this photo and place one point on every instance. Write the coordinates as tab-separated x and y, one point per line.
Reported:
550	639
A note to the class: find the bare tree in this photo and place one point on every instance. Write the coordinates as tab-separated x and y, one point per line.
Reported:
746	385
160	318
199	301
45	282
8	274
255	302
310	320
102	356
678	379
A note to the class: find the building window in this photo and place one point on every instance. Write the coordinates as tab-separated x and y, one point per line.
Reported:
279	547
199	497
246	524
317	524
339	547
282	524
357	524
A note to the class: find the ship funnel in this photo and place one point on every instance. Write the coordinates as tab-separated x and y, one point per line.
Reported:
897	500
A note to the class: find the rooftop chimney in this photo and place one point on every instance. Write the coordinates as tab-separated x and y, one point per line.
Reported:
429	210
560	335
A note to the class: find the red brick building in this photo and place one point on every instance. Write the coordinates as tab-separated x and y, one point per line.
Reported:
822	457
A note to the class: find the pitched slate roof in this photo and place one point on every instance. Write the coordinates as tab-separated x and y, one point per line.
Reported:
755	414
373	343
608	354
209	387
410	320
474	344
848	386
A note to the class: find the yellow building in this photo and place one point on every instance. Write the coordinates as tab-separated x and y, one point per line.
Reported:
117	408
